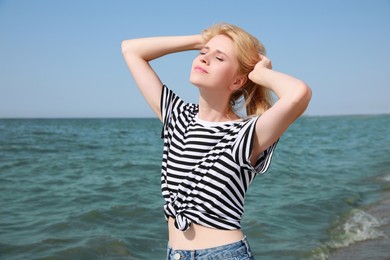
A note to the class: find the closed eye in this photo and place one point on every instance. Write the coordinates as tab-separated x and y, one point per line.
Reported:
217	57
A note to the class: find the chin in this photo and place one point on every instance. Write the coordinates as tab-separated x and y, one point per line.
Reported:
199	82
195	81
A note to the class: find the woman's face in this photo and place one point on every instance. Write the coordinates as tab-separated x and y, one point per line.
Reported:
216	65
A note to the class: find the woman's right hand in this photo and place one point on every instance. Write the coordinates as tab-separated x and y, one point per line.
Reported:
138	53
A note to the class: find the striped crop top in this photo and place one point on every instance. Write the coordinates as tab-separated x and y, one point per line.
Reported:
206	169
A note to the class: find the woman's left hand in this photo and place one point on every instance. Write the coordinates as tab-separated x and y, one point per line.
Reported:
264	63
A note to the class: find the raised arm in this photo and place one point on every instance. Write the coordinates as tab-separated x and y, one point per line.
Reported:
138	53
293	98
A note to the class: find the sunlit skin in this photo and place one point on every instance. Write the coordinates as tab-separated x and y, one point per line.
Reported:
216	65
214	72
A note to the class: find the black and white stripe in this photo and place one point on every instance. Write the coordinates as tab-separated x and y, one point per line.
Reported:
205	168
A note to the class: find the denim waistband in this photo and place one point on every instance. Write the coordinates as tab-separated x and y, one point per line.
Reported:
239	249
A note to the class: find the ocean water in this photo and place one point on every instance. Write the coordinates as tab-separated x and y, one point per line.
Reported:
90	189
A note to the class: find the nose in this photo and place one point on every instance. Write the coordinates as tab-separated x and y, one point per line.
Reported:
204	59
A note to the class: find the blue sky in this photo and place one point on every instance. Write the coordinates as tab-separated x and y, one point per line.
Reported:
63	59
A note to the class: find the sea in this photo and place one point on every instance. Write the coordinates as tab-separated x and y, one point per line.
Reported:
90	189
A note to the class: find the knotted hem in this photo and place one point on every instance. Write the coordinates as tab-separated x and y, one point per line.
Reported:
181	223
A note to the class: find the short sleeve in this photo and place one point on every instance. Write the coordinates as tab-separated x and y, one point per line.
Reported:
264	160
243	146
169	105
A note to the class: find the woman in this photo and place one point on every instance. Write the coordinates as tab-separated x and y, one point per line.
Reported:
211	155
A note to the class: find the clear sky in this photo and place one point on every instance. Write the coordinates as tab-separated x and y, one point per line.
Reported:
63	59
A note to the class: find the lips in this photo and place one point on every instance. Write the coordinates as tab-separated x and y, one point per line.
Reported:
200	69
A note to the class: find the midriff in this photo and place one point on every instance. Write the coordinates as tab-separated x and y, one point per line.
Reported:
200	237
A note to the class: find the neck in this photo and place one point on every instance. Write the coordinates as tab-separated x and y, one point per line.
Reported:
214	107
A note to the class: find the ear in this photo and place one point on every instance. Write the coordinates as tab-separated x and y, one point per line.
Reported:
238	82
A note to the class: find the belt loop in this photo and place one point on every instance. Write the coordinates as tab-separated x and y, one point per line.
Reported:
248	249
169	249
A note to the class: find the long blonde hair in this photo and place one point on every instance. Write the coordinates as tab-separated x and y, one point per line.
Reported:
257	98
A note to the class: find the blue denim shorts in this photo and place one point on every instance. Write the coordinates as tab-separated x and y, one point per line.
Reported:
239	250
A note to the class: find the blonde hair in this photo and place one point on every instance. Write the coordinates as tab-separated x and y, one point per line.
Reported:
248	48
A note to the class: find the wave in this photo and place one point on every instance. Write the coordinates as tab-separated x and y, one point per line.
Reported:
359	226
386	178
356	227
